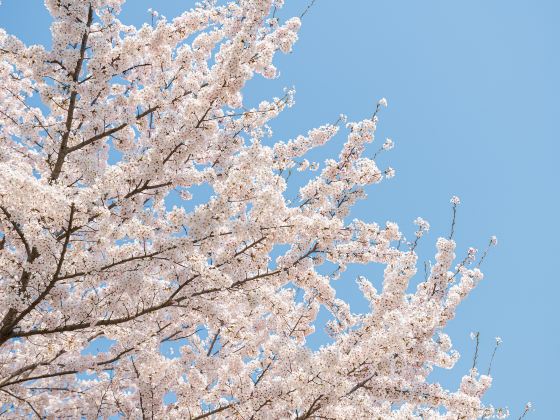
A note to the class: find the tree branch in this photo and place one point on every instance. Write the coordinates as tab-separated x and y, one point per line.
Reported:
62	151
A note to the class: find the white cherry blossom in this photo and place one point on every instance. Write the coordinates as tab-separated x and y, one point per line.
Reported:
96	249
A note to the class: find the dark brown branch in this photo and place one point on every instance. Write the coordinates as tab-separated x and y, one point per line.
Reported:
139	389
28	249
29	368
25	401
263	372
116	263
107	133
62	151
314	407
213	343
360	384
170	301
8	327
209	413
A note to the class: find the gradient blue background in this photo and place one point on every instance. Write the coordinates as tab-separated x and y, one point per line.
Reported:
473	97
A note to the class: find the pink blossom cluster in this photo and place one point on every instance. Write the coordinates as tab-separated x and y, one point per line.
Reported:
90	249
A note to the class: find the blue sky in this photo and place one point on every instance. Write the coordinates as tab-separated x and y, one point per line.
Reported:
473	92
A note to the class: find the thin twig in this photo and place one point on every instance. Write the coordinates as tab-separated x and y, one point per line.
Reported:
453	221
498	341
477	338
309	6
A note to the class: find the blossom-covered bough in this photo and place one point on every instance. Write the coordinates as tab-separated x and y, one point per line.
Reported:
129	121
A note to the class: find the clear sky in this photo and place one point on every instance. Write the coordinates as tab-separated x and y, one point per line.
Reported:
473	90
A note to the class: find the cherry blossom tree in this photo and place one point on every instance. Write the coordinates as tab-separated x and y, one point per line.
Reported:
98	135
